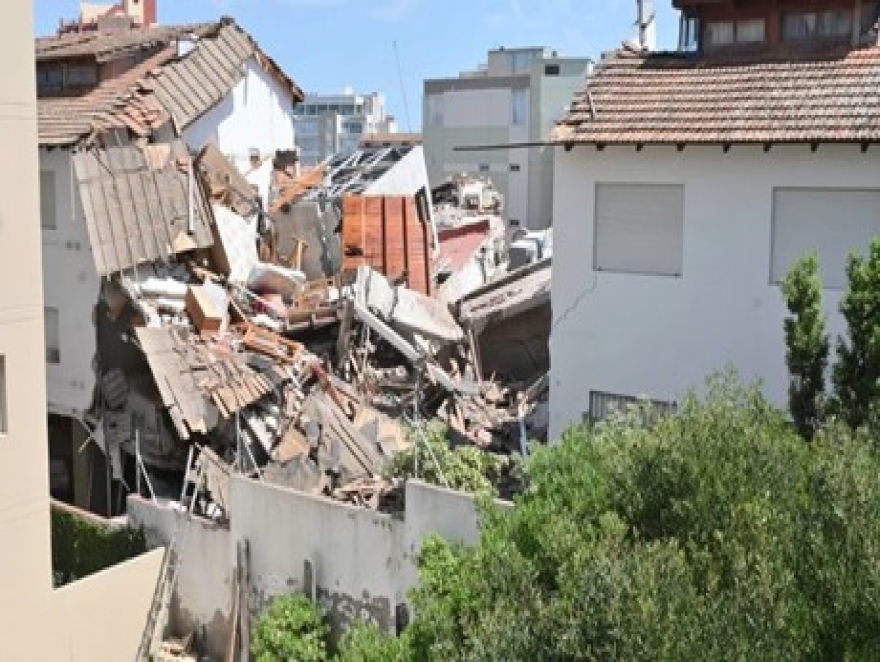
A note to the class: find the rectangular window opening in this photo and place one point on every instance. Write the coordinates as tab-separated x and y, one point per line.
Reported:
53	336
606	406
639	229
551	70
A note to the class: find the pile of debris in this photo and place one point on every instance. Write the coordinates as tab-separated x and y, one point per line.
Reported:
299	361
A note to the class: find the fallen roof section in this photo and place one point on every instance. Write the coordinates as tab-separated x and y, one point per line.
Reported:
511	295
137	204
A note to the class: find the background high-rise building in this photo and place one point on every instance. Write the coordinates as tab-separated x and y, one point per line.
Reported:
327	124
514	98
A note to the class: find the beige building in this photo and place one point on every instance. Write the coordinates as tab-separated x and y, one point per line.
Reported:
99	618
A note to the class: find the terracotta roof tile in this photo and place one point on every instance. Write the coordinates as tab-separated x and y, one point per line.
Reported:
677	98
162	86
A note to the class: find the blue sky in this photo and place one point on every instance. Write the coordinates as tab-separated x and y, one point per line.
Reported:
328	44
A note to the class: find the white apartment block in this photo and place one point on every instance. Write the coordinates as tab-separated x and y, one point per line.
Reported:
335	123
512	100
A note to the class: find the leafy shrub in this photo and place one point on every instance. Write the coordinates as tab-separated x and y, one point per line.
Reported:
465	468
82	546
291	629
712	534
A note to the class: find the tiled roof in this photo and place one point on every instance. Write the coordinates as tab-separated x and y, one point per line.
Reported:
113	104
676	98
163	86
106	46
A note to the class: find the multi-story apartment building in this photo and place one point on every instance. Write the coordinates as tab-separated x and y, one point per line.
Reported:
101	617
514	99
330	124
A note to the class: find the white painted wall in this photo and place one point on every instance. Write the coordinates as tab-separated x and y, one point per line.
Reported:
406	177
71	285
659	336
257	113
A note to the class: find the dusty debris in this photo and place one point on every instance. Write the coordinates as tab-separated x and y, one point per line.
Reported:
306	370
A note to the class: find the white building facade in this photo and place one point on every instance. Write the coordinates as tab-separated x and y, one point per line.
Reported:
514	99
655	321
328	124
685	190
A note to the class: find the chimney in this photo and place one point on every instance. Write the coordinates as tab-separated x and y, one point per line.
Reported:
647	22
142	12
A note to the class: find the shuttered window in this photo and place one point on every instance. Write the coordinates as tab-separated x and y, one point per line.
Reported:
605	406
830	222
639	228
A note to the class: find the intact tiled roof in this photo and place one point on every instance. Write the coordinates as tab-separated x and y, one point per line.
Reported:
106	46
677	99
165	85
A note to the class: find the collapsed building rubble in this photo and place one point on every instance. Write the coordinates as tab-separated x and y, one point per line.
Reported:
301	372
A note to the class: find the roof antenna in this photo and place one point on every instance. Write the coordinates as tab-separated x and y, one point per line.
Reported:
647	21
402	89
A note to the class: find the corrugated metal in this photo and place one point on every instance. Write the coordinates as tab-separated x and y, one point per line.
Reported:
135	213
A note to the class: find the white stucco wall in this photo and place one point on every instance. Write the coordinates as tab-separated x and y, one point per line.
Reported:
659	336
71	285
257	113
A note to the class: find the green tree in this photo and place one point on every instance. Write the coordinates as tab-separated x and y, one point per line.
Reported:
715	534
292	629
856	375
806	344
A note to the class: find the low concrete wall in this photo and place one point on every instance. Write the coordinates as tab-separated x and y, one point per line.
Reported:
364	563
350	549
86	625
202	598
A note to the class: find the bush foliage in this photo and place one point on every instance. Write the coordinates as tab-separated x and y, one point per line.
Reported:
712	534
82	547
291	629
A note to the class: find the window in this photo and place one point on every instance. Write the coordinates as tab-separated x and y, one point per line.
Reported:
48	219
514	167
551	70
832	24
639	228
483	167
434	103
4	420
50	79
831	222
604	406
751	31
81	76
719	33
53	336
519	107
727	33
